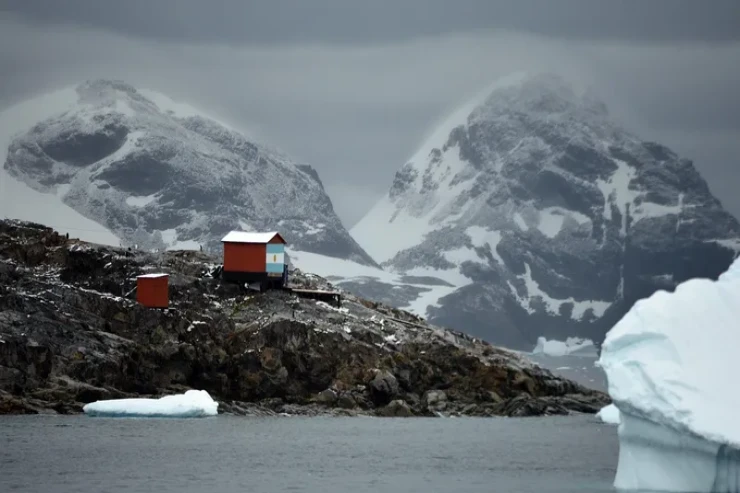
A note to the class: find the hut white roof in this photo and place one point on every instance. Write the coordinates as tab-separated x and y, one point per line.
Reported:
249	237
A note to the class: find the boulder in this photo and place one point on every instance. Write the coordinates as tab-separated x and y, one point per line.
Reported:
396	409
434	400
327	397
346	401
383	387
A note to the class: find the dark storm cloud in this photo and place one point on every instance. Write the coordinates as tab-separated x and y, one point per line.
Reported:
359	21
353	93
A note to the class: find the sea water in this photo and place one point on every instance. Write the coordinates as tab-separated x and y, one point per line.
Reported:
294	454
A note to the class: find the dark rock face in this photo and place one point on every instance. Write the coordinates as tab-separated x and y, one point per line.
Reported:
70	333
83	148
550	218
383	388
154	178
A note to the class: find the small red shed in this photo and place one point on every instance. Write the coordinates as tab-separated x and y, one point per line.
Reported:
254	257
152	290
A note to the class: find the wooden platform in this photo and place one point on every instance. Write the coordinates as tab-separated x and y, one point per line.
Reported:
332	297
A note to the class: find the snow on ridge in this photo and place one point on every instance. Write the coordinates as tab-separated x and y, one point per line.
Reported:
404	232
617	190
533	290
346	270
62	190
519	221
405	223
429	298
552	220
480	237
171	241
408	222
553	305
326	266
179	109
147	122
581	307
18	200
729	243
442	129
135	201
21	117
650	209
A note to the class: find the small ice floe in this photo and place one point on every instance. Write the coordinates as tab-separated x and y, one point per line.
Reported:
571	346
191	404
609	415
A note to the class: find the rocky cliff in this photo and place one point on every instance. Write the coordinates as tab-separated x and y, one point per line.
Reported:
541	216
71	333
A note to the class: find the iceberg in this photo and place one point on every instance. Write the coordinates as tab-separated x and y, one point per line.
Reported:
670	366
191	404
572	345
609	415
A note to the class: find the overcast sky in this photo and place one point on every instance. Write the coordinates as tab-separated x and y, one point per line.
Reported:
352	86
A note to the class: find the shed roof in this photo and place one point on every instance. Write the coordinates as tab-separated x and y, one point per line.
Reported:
151	276
250	237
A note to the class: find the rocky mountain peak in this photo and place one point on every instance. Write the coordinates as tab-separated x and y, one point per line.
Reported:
161	174
540	93
546	216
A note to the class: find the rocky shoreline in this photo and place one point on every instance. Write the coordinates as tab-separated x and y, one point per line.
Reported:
72	333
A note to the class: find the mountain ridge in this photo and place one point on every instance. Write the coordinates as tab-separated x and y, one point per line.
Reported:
542	211
158	174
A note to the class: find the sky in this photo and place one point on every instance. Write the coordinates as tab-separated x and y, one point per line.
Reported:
352	87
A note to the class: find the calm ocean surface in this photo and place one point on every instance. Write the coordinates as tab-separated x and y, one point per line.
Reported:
292	454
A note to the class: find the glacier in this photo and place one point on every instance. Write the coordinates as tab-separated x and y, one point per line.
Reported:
191	404
669	364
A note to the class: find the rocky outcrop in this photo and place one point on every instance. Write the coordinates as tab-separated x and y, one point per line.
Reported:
71	333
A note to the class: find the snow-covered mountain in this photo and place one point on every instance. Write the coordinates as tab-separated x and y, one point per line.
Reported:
110	163
530	212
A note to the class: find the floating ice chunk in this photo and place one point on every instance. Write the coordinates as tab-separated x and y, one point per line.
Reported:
559	348
609	415
191	404
669	363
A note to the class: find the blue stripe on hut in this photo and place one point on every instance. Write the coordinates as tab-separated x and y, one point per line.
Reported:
275	258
